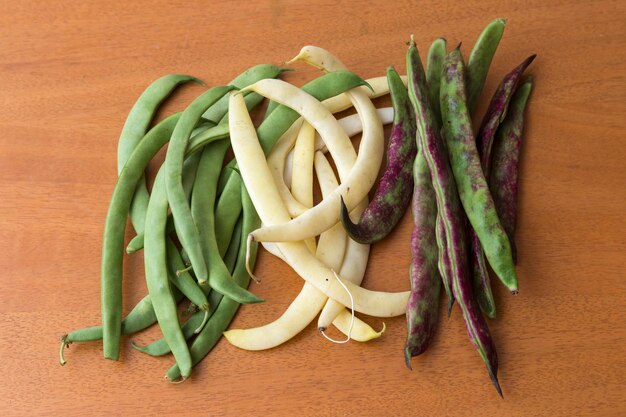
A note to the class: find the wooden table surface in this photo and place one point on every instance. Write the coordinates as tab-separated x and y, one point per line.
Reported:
71	70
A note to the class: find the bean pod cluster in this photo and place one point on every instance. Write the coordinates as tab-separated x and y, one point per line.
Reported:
200	225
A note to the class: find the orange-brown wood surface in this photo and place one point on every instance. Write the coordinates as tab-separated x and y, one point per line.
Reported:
71	70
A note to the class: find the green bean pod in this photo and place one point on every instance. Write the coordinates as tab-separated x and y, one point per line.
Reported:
115	225
182	279
202	209
228	203
140	317
160	347
186	228
155	254
480	60
134	130
114	229
219	321
471	183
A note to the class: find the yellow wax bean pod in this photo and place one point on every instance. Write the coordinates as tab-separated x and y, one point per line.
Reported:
258	179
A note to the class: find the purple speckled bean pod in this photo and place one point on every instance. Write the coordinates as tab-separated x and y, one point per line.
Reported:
480	277
445	269
496	112
505	160
447	198
468	174
394	190
423	305
434	65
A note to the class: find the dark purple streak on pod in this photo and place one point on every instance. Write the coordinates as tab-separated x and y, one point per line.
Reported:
395	188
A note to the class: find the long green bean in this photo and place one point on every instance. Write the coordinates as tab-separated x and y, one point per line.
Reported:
113	242
202	210
134	130
186	228
160	347
156	275
219	321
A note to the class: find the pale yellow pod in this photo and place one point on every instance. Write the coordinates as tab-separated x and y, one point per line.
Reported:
302	177
259	182
276	162
356	179
357	255
310	300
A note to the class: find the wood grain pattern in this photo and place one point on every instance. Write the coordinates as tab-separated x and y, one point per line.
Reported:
71	70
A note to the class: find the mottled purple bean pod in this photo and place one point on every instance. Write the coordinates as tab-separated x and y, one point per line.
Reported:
505	161
423	306
468	174
443	263
480	277
447	200
496	112
434	65
395	187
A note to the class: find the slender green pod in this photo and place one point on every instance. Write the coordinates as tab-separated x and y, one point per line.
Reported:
134	130
228	203
143	112
186	228
182	279
160	347
140	317
395	187
505	162
480	60
202	209
115	225
199	138
423	305
114	229
447	198
219	321
155	253
471	183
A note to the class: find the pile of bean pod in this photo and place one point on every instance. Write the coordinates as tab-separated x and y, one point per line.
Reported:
462	188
